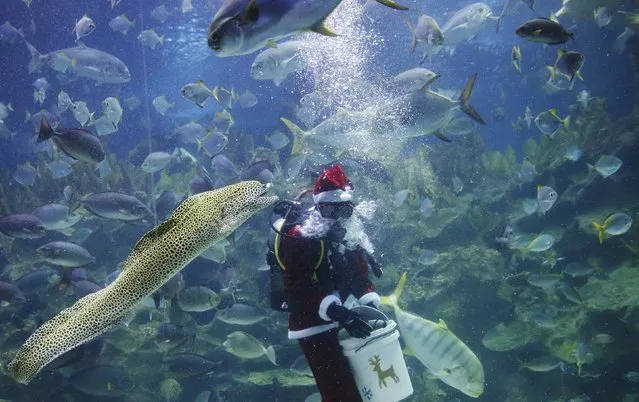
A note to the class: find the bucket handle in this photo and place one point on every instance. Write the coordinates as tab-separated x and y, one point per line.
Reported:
375	337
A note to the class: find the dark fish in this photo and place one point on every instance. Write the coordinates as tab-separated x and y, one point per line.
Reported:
78	143
184	365
89	352
165	204
84	287
169	290
101	381
22	226
10	294
173	335
78	274
36	281
544	30
116	206
569	63
65	254
198	185
253	171
224	167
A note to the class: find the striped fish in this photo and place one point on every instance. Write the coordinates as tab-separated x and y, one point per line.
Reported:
443	354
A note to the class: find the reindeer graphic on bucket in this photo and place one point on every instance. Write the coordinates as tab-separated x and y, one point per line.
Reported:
382	374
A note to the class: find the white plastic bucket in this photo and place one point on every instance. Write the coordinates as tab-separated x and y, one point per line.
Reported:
378	364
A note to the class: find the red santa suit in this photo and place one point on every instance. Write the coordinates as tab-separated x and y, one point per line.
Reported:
317	273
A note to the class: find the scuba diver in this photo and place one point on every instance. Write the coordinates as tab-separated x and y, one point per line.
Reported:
318	257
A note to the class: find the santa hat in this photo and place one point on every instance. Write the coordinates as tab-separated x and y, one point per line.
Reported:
333	186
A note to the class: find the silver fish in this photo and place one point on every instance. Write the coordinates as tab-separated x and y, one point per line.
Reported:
88	63
436	347
428	33
278	63
466	23
245	26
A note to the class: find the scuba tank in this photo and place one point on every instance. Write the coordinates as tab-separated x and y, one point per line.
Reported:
286	214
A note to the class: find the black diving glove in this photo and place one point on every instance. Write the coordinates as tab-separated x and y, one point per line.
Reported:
350	320
376	267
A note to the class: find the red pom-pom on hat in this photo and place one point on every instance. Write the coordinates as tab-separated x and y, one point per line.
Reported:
333	186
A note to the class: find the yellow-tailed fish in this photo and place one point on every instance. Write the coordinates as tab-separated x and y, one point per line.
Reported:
443	354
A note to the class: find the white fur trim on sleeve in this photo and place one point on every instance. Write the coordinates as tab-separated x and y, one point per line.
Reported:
326	302
371	297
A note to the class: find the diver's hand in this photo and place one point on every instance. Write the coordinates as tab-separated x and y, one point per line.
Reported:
350	320
376	267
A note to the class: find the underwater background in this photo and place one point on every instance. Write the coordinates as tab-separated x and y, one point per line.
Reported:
493	222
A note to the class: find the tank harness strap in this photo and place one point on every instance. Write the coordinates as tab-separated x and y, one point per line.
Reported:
281	264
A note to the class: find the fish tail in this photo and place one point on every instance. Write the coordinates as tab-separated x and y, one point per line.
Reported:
65	278
46	131
393	298
566	123
392	4
413	43
36	58
439	133
299	136
601	230
464	100
270	354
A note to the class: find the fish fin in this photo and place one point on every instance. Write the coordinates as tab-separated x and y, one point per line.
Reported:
392	4
215	92
566	123
579	75
251	13
464	100
321	29
270	354
424	56
601	230
161	39
157	300
271	44
65	278
571	35
413	44
299	136
442	324
286	61
561	52
45	131
440	134
35	64
393	298
553	17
